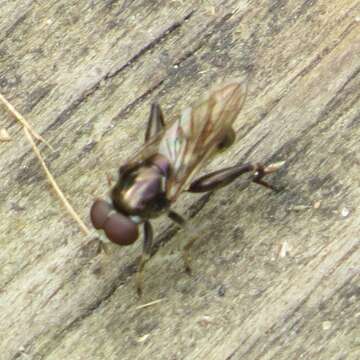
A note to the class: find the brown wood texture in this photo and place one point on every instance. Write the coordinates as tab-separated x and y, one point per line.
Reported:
275	276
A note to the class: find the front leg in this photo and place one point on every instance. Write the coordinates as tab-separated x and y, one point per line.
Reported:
223	177
145	256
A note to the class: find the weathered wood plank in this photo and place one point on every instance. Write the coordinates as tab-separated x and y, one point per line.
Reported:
85	73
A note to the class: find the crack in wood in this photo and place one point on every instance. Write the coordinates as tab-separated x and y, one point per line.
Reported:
12	28
324	53
71	109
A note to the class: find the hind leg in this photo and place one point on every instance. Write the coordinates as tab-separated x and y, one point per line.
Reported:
223	177
179	220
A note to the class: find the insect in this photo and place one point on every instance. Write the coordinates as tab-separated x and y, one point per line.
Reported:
151	181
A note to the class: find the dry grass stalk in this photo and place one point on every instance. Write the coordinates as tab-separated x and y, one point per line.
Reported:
23	121
53	183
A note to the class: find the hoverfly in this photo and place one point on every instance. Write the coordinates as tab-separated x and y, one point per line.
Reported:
151	181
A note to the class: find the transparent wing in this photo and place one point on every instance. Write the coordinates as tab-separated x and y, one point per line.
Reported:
191	140
188	142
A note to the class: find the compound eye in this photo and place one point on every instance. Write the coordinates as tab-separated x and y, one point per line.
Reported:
99	213
120	229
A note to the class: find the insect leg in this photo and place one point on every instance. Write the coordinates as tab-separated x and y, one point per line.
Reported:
155	123
262	171
186	254
221	178
178	219
145	256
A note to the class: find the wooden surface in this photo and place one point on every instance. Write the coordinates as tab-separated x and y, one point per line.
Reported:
276	276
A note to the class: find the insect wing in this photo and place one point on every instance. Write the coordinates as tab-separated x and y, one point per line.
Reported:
191	140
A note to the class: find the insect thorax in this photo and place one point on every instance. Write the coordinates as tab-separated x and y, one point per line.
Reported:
141	189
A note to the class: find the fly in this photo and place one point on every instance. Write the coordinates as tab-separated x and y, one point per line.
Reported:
151	181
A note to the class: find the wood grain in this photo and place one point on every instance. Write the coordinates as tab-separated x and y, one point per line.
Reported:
276	276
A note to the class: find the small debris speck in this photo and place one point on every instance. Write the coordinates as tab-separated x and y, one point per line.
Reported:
151	303
317	204
143	338
326	325
345	212
205	321
221	291
284	250
299	207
